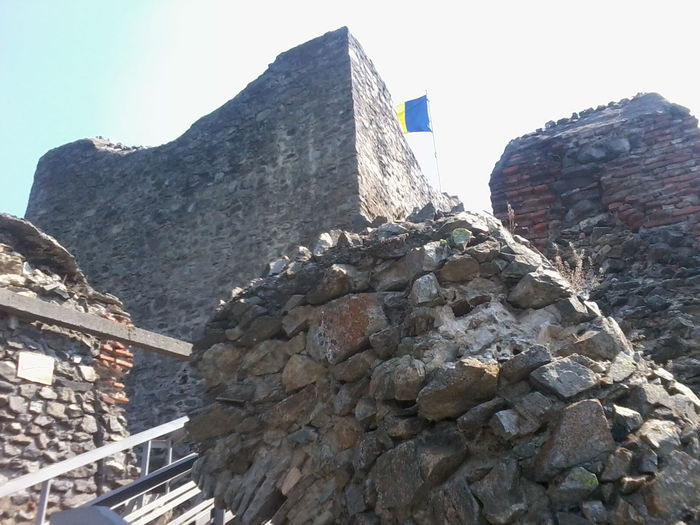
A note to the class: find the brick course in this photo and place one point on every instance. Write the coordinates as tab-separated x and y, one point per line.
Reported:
621	185
638	158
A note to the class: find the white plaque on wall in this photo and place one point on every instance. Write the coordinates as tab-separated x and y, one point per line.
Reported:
35	367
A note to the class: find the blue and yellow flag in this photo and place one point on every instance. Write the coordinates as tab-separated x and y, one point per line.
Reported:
413	115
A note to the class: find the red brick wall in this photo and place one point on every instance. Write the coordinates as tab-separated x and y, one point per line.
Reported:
638	159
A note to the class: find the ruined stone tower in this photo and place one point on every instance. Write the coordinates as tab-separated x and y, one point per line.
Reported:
619	185
637	159
311	145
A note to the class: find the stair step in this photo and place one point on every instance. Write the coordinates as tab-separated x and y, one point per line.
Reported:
162	505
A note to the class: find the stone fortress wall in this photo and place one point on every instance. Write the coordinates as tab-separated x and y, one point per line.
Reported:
82	406
621	185
311	145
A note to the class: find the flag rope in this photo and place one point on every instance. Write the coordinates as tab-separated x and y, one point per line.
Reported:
432	127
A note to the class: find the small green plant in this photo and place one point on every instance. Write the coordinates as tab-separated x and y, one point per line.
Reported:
460	237
577	268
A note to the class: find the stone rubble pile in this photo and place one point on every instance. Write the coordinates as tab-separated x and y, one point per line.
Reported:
650	282
619	183
432	373
82	408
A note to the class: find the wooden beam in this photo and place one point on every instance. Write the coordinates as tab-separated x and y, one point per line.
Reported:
38	310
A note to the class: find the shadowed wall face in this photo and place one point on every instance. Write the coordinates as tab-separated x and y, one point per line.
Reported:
172	229
390	180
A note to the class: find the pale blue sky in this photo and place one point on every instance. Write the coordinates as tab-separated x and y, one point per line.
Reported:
141	71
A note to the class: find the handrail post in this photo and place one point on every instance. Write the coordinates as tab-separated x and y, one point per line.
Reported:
43	502
145	464
219	516
169	460
146	458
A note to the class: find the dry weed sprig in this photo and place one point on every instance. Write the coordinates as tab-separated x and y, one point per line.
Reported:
512	225
578	270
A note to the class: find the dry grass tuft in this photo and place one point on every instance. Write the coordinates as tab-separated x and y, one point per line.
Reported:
577	269
511	219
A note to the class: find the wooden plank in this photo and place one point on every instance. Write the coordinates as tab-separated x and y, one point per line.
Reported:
37	310
194	513
166	506
161	500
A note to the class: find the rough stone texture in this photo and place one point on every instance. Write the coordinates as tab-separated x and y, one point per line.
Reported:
400	378
301	371
397	467
538	289
519	366
574	486
617	465
675	492
460	269
312	144
454	389
500	494
425	290
636	158
618	185
605	340
343	326
466	410
626	420
564	377
82	408
581	435
661	435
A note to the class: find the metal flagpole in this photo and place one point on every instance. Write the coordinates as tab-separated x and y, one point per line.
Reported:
437	165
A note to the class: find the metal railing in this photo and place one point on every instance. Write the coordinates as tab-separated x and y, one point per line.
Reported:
132	497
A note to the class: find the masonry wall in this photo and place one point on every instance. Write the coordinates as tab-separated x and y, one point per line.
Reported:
172	229
464	395
390	180
82	406
638	159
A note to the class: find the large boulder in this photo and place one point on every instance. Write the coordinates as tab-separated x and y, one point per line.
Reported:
581	435
343	326
457	387
539	288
